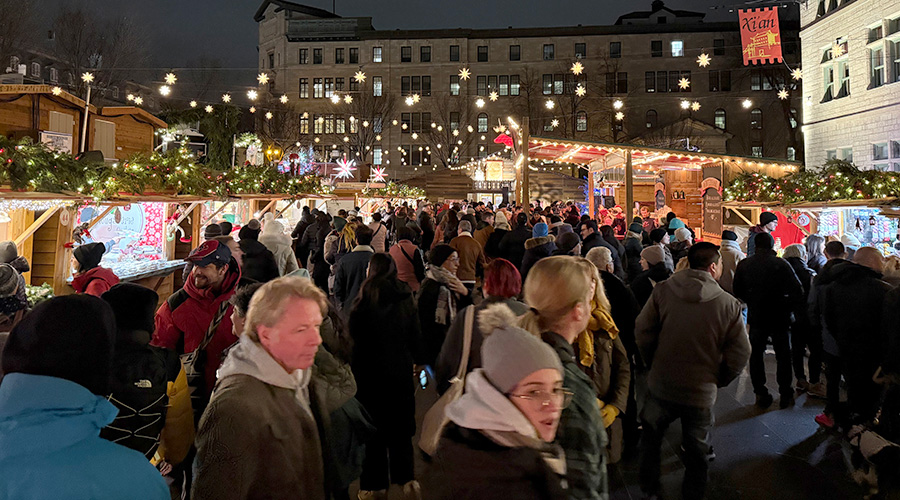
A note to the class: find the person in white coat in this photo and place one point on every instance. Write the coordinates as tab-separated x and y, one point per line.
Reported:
732	255
274	238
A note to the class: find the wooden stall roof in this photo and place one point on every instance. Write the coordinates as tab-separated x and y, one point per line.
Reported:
139	114
64	97
817	205
584	153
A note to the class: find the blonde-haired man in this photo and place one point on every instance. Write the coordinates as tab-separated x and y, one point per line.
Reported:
259	436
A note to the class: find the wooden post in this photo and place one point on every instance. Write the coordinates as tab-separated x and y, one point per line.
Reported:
590	192
20	219
629	189
525	137
20	239
98	218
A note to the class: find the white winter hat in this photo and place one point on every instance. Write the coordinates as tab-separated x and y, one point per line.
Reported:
273	227
682	234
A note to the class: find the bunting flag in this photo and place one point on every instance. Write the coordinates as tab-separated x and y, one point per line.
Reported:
760	36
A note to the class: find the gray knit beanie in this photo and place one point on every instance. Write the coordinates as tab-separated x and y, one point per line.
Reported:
9	280
510	354
8	252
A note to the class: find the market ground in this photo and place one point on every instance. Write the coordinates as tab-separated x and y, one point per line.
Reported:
760	454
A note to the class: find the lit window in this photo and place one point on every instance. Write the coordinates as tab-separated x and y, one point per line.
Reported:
581	121
791	153
376	54
720	119
549	51
377	88
652	118
482	123
880	151
756	151
876	63
677	48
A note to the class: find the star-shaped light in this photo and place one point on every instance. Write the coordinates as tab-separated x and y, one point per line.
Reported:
378	137
378	174
360	77
253	109
269	115
703	60
577	68
695	106
747	103
165	90
685	104
262	78
348	99
226	97
455	132
416	136
87	77
580	91
554	123
464	74
620	116
208	108
139	100
365	123
56	91
479	102
783	94
345	168
170	78
252	95
283	98
617	104
193	104
305	115
837	50
416	98
549	104
797	74
130	97
493	96
684	83
409	101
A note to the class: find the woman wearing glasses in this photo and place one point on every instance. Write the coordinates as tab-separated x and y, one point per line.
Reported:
498	443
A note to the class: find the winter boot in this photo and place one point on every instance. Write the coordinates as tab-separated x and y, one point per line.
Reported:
412	491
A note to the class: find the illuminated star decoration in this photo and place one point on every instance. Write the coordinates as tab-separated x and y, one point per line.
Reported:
464	74
335	98
345	168
360	77
268	115
577	68
378	174
253	109
171	78
409	101
685	104
87	77
139	100
252	95
684	83
783	94
703	60
549	104
554	123
165	90
837	50
797	74
695	106
130	97
348	99
580	90
193	104
208	108
493	96
479	102
416	98
283	98
618	104
262	78
226	97
56	91
620	116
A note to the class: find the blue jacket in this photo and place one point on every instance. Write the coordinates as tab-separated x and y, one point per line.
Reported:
50	445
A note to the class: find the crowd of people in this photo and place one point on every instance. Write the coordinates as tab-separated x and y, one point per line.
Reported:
287	366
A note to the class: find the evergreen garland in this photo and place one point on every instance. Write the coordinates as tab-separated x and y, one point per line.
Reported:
396	190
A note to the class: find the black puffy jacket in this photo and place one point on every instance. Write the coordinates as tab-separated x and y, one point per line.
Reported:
769	286
258	262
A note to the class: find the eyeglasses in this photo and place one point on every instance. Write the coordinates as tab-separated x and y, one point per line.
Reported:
559	397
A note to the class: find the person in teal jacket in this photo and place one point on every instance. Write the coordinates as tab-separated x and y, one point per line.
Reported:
57	362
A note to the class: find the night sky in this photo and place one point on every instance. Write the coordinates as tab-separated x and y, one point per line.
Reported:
180	32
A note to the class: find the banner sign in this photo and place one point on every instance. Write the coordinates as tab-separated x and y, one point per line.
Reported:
711	189
760	36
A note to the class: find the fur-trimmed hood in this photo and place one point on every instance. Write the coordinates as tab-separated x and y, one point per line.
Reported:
536	242
496	316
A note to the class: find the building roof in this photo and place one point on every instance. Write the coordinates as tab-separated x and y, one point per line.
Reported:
138	114
63	98
293	7
657	6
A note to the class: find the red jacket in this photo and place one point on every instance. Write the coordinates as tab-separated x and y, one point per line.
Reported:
192	318
95	281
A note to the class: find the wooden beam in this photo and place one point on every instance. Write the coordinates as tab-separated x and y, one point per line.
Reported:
526	188
629	189
36	225
159	283
172	226
739	214
217	212
267	207
97	219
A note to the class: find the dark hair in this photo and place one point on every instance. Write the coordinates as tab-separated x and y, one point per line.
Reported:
382	276
585	218
670	216
502	279
486	215
702	255
342	213
764	241
364	235
450	222
440	253
522	219
227	227
241	298
606	230
835	249
657	235
590	224
406	233
376	217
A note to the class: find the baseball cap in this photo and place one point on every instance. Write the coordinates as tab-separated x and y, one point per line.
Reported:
208	253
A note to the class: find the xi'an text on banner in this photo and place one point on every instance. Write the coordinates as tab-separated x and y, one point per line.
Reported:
760	36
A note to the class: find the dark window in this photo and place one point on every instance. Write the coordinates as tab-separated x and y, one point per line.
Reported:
317	56
661	20
547	86
304	88
548	51
416	85
426	86
650	81
610	83
482	53
719	47
714	80
405	120
339	56
725	80
615	50
756	79
271	61
354	55
454	52
656	48
481	85
580	51
406	54
354	85
674	76
756	119
686	75
425	53
515	52
652	118
492	83
338	84
304	56
662	81
622	83
404	85
454	120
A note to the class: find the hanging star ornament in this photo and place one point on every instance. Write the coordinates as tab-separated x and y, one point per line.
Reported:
684	83
283	98
226	97
695	106
837	50
378	174
139	100
345	168
797	74
193	104
416	98
554	123
577	68
171	78
130	97
409	101
87	77
208	108
253	109
56	91
703	60
580	91
549	104
783	94
620	116
360	77
348	99
493	96
464	74
262	78
269	115
252	95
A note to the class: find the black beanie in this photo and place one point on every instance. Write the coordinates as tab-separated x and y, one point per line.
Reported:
767	217
764	240
657	235
440	254
248	233
69	337
133	305
729	235
89	255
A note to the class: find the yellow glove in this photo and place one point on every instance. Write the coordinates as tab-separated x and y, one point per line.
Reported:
600	404
608	413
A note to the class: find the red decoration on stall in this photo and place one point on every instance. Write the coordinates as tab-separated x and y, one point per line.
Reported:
760	36
504	139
